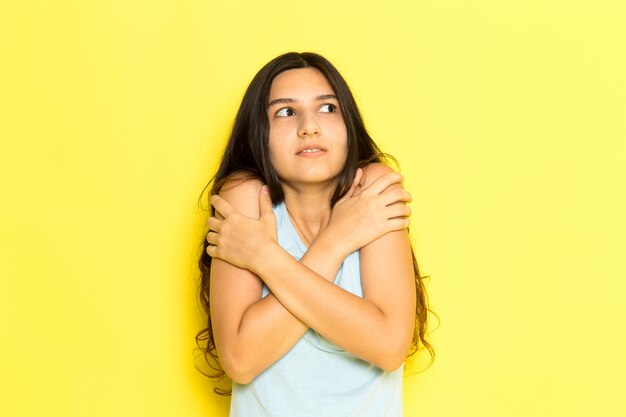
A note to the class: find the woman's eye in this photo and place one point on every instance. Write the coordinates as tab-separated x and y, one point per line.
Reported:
285	112
328	108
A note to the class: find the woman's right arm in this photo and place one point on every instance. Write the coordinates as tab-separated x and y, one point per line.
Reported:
251	332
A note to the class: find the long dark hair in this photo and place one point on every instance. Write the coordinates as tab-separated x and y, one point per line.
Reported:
247	153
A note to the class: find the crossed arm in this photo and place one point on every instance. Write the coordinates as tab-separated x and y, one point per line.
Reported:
251	332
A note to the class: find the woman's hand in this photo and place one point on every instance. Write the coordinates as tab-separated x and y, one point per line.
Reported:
365	214
239	239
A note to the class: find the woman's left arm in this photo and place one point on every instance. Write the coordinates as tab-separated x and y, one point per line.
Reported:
376	328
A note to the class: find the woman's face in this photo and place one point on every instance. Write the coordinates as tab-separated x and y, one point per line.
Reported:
308	137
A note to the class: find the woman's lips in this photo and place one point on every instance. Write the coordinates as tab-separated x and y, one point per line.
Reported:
311	151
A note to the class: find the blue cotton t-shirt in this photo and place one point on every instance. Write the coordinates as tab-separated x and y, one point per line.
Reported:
317	378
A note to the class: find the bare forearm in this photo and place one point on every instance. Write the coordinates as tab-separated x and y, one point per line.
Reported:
364	330
268	330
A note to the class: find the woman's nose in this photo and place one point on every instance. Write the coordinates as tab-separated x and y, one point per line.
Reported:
308	126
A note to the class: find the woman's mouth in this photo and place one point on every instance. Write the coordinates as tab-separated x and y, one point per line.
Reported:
311	150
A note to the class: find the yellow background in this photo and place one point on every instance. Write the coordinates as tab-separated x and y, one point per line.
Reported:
508	119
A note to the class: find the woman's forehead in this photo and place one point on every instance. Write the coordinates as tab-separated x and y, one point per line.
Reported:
300	83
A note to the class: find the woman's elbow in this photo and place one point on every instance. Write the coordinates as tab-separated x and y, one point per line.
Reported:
241	378
391	362
394	356
238	369
240	375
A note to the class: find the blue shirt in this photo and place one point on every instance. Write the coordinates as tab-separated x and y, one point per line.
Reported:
316	378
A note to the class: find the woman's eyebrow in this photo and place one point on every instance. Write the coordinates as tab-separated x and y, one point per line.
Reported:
280	100
326	97
292	100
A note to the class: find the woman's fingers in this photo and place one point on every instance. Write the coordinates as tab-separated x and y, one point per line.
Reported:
265	202
398	195
211	237
211	250
397	210
398	223
383	182
358	176
357	181
235	237
221	205
214	224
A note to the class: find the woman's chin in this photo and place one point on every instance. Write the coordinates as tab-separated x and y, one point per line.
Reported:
311	180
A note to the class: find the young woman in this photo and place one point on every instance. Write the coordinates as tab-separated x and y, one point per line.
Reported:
313	294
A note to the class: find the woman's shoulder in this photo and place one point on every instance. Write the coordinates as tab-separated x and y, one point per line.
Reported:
375	170
242	191
378	168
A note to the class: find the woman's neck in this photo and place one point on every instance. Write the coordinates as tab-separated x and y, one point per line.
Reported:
309	210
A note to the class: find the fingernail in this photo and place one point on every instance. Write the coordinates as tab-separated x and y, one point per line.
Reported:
265	189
